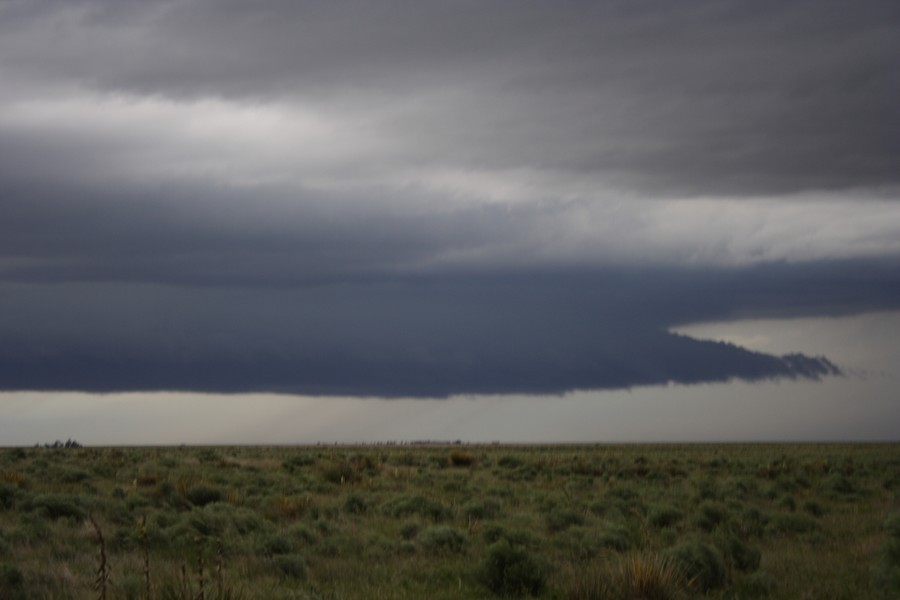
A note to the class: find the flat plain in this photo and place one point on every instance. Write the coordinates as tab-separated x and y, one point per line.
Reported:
441	521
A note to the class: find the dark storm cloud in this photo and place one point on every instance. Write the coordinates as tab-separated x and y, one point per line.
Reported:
530	332
434	198
694	98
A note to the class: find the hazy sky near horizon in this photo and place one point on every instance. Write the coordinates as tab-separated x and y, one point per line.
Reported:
439	199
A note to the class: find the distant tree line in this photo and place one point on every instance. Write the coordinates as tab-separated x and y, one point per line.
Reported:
70	443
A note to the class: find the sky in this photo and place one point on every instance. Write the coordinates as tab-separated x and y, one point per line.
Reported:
383	210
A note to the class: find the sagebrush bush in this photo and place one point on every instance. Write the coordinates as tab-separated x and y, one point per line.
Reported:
409	530
12	583
578	544
8	495
559	518
459	458
616	536
291	566
274	545
443	539
790	524
405	506
201	495
510	571
338	472
887	567
710	515
743	556
59	507
664	515
813	508
356	504
755	585
481	509
701	563
211	520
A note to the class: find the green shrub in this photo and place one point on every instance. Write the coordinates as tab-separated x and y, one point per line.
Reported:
743	556
12	583
579	544
276	545
459	458
510	461
813	508
510	571
59	507
701	563
616	537
755	585
291	566
787	501
664	516
201	495
753	522
790	524
405	506
338	472
296	463
302	533
887	567
208	521
481	509
710	515
442	539
841	485
356	504
7	496
558	519
409	530
247	521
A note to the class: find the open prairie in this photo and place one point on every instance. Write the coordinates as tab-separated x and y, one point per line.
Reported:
451	521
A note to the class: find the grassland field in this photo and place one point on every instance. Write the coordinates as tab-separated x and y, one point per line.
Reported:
792	521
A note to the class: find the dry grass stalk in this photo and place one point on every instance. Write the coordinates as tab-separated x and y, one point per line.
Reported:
101	581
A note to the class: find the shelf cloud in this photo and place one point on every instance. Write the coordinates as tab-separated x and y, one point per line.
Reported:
408	199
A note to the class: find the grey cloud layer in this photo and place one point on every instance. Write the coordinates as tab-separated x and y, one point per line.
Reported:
698	98
412	198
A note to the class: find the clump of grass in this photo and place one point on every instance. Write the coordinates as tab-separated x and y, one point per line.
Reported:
511	571
638	575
